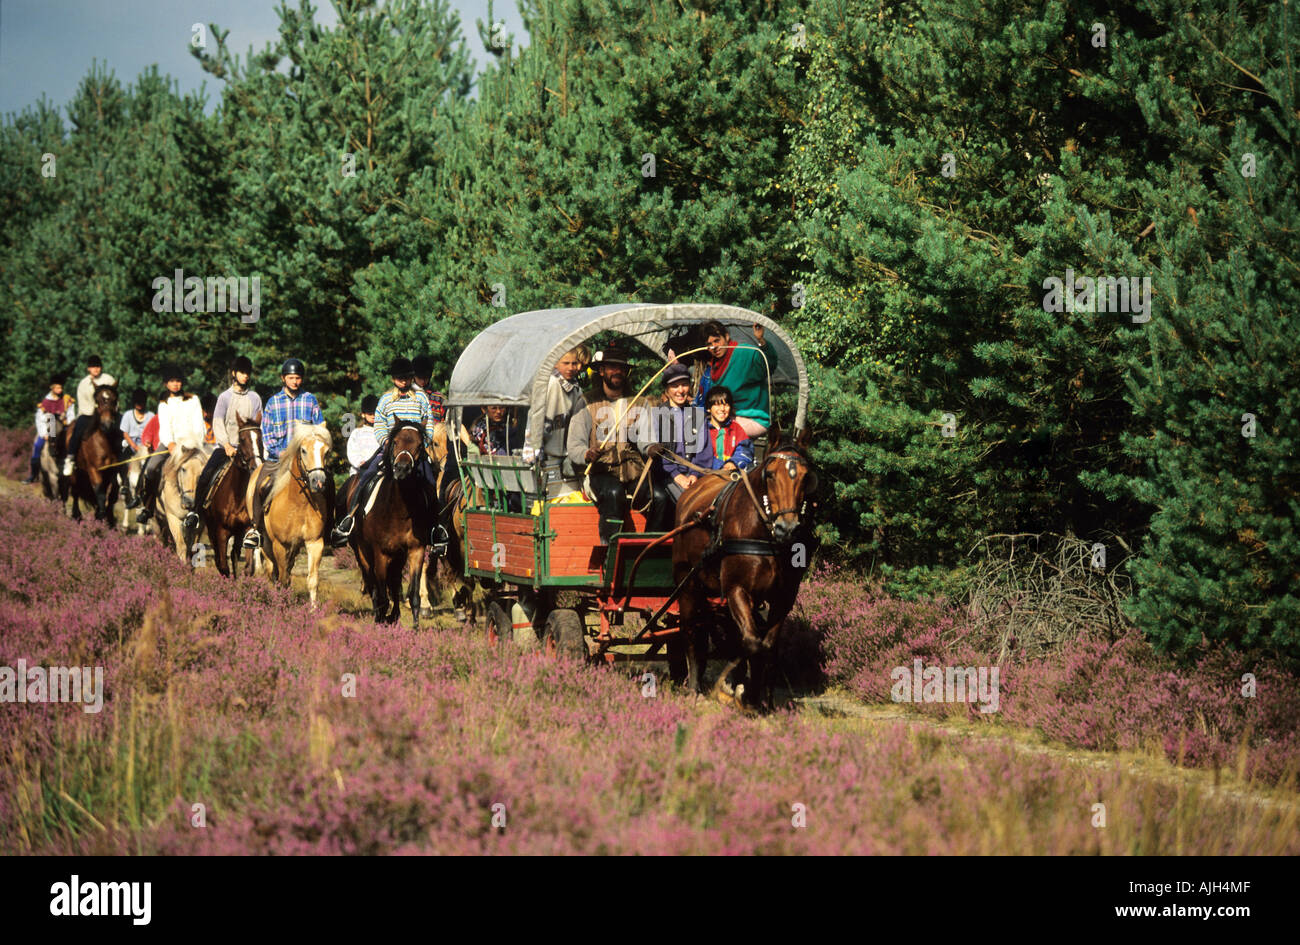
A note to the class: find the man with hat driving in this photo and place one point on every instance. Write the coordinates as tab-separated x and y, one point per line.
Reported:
401	404
601	438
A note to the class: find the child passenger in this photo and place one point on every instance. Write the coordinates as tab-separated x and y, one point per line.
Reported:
726	445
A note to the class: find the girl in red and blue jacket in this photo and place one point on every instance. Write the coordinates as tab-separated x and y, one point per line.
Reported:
726	445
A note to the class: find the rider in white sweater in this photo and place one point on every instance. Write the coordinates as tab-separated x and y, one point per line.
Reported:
180	426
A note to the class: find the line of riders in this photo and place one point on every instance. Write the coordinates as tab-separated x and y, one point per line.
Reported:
708	419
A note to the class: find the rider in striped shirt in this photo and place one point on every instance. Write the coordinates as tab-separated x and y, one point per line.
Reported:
401	404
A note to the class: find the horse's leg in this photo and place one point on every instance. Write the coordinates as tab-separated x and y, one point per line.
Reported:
741	605
177	528
417	592
379	586
396	567
420	581
366	567
100	489
762	663
315	549
689	606
281	562
218	535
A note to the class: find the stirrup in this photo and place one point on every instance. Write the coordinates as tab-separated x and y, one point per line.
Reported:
68	466
439	540
251	539
338	536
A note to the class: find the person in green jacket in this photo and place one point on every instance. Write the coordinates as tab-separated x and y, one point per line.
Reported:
743	370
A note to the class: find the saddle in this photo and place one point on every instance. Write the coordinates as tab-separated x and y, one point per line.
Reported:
216	483
261	488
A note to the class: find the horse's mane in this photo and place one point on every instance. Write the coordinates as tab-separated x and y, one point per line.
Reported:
180	458
284	465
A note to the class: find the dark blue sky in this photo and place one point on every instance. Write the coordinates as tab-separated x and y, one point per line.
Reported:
47	46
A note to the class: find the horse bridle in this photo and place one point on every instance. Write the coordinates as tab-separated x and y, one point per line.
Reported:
303	482
393	459
238	457
763	505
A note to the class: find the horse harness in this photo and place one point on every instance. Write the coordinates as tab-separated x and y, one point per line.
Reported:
714	515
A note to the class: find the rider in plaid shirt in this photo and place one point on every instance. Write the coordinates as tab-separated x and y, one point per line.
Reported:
286	408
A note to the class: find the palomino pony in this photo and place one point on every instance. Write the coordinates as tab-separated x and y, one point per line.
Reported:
226	515
90	482
50	472
298	509
739	540
393	529
134	475
180	474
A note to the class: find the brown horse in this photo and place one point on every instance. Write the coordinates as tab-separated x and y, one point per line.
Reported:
89	481
299	507
393	528
226	515
740	541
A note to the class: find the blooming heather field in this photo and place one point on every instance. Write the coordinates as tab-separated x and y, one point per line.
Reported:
229	695
1099	695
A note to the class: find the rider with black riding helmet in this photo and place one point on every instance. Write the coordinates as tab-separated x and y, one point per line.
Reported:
236	401
286	408
402	403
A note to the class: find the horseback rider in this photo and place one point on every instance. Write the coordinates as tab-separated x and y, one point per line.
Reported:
237	401
95	377
180	418
361	441
601	437
423	365
49	414
403	403
286	407
136	419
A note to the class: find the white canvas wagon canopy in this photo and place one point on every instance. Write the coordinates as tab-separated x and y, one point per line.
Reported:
510	362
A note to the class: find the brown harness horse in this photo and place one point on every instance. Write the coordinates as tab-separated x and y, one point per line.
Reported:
89	482
226	515
746	540
395	530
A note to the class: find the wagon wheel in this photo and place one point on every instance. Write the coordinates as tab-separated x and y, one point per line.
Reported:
563	635
498	622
